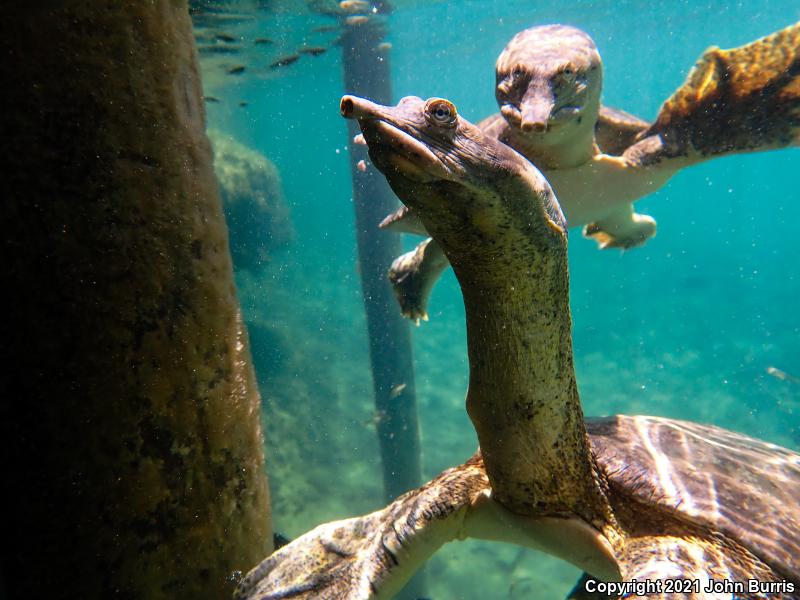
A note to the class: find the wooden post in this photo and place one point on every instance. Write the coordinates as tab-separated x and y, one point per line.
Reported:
134	463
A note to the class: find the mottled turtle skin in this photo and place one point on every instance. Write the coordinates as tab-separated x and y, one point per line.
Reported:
600	160
695	502
674	499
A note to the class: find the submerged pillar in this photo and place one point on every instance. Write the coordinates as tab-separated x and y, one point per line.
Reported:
366	73
134	460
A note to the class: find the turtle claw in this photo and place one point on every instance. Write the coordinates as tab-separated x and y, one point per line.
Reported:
415	316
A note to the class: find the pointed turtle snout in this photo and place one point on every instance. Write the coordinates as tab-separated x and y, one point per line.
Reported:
537	106
353	107
347	107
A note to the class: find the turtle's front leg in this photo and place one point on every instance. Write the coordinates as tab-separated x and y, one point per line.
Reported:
413	276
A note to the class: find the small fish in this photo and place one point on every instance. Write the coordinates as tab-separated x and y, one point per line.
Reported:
263	41
357	20
362	166
201	18
359	140
211	99
354	6
383	47
782	375
225	37
398	389
203	36
285	61
312	50
378	417
236	70
219	49
325	29
243	103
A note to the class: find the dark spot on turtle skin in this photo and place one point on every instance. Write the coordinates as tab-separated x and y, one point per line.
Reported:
333	548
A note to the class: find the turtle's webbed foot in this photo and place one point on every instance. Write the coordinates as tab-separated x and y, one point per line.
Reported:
405	280
335	560
742	99
623	232
413	276
371	556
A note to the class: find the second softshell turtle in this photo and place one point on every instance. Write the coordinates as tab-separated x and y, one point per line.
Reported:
600	160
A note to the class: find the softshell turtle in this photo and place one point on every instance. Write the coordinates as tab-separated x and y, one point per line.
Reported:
621	497
599	160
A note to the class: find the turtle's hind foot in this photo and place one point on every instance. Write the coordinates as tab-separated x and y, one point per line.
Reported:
623	231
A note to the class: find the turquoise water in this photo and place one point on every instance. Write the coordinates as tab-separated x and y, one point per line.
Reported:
684	327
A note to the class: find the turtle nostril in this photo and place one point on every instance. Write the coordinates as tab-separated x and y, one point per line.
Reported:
537	126
346	106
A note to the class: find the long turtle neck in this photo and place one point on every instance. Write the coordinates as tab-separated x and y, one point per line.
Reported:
497	220
523	398
511	263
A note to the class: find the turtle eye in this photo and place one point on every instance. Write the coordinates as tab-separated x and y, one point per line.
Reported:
441	112
567	73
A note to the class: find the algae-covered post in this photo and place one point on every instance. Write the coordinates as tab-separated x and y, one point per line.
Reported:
366	72
132	412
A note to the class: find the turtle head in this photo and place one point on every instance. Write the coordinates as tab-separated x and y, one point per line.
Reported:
467	188
548	83
427	141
